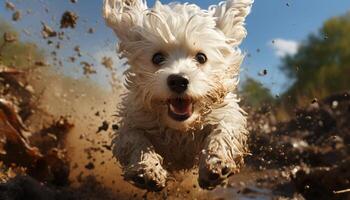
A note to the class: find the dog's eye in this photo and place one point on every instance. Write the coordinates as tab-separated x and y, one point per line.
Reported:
158	58
201	58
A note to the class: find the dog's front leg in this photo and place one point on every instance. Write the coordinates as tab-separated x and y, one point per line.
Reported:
224	148
142	166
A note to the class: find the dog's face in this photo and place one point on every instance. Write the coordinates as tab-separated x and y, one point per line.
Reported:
182	59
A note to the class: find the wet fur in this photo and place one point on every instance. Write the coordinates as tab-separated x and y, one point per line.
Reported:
149	144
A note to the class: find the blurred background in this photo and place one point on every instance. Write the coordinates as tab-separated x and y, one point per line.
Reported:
61	81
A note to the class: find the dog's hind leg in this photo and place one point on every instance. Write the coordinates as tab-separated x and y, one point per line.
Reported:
224	148
142	166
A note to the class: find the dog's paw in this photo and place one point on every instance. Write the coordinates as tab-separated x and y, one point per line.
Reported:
215	171
151	178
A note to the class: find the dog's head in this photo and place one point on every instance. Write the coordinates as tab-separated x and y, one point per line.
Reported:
182	59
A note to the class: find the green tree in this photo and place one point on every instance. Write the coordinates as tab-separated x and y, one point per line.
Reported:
322	64
255	94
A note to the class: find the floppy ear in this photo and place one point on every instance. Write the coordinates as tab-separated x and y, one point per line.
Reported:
230	16
123	15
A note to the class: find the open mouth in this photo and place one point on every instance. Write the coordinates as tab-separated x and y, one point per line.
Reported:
180	108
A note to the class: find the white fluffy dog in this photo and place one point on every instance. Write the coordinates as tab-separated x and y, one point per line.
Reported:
180	110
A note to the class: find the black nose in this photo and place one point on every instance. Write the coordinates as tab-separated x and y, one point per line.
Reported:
177	83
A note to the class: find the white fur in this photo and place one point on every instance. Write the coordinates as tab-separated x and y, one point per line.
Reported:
215	133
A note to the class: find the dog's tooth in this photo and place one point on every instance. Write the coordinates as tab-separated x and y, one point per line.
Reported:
172	108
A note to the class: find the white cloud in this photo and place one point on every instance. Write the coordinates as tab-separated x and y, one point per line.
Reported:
284	47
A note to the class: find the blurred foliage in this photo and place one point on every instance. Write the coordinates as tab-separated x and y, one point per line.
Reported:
14	53
255	94
321	67
322	64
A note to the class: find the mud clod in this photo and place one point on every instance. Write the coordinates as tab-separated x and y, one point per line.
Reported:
47	31
69	20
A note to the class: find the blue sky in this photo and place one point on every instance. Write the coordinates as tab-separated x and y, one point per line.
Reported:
270	20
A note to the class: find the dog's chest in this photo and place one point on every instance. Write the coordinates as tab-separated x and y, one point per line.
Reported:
179	150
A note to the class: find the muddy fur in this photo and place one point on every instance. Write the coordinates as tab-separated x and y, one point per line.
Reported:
150	144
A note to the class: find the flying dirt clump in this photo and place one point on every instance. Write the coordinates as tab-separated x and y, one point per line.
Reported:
107	62
47	31
88	68
16	16
69	20
10	6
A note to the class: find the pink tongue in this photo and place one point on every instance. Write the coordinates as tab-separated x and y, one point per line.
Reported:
181	105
